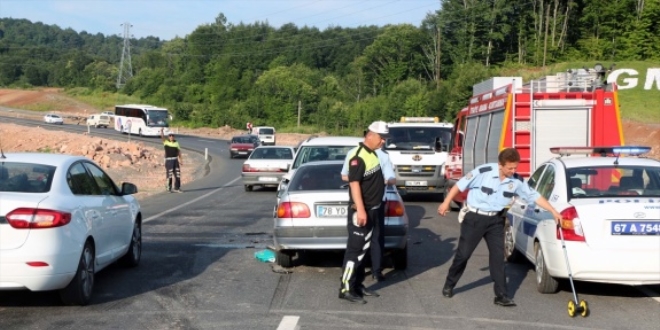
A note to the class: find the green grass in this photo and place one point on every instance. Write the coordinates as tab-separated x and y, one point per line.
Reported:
636	104
100	100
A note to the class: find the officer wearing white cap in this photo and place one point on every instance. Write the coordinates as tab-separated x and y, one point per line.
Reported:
492	188
378	238
366	189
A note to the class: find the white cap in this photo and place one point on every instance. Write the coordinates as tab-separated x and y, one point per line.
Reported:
381	128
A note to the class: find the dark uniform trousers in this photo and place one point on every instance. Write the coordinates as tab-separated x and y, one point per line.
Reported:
357	247
473	228
173	171
378	240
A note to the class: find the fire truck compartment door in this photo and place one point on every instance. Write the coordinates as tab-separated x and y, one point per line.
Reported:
556	128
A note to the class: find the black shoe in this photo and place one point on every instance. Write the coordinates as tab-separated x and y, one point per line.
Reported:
352	297
504	301
362	291
448	291
378	276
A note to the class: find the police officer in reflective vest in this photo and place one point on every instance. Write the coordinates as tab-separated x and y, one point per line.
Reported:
491	189
173	162
366	189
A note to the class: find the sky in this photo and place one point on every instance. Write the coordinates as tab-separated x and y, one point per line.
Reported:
167	19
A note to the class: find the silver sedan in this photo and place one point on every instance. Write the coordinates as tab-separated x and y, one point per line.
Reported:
311	214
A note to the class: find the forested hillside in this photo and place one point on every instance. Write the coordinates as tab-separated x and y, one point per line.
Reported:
337	79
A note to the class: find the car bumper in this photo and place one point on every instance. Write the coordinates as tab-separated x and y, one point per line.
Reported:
604	265
241	153
262	179
330	238
15	274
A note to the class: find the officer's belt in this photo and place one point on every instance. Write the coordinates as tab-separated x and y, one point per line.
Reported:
478	211
170	158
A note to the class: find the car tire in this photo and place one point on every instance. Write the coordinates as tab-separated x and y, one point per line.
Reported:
544	282
284	258
248	187
510	252
79	291
400	258
134	253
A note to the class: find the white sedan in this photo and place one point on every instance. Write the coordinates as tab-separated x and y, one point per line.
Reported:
53	119
62	219
266	165
611	218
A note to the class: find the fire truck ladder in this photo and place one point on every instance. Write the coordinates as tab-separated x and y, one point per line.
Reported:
521	123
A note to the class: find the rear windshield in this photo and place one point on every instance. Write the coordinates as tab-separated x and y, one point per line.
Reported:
105	117
25	177
241	140
611	181
318	177
272	153
268	131
308	154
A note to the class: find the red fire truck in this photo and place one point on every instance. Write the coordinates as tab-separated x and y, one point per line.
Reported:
572	108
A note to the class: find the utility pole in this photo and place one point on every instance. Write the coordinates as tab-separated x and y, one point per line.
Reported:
125	66
299	108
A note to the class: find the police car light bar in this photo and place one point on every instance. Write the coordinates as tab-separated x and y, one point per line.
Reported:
420	119
610	150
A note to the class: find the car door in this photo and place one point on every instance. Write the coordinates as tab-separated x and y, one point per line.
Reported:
116	207
534	215
90	203
517	214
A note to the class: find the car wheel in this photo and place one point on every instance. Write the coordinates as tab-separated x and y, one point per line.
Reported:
510	252
284	258
400	258
132	256
79	290
544	282
248	188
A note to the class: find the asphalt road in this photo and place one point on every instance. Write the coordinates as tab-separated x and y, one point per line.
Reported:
198	271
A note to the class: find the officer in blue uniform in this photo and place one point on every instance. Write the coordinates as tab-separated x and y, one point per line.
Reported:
491	189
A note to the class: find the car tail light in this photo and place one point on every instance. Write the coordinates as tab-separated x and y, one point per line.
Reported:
293	210
37	264
27	218
394	209
570	226
248	168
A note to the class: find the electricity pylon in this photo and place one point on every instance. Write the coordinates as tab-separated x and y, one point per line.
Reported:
125	66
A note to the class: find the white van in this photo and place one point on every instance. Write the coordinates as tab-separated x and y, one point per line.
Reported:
98	121
266	134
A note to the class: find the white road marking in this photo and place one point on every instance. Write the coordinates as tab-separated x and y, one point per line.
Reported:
153	217
289	322
647	291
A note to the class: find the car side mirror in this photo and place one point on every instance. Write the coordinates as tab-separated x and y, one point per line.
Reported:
128	188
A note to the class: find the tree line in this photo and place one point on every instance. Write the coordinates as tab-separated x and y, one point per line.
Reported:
337	79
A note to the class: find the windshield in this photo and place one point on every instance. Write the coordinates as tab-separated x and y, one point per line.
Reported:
586	182
319	153
415	138
318	177
157	118
242	139
272	153
26	177
266	131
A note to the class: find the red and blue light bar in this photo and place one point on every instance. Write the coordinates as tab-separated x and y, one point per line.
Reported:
603	150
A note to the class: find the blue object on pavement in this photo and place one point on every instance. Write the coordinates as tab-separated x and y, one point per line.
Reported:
265	255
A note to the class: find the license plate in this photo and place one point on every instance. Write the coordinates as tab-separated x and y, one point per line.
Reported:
635	228
242	152
323	211
416	183
267	179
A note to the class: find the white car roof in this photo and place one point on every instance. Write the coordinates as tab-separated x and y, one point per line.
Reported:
57	160
571	162
333	141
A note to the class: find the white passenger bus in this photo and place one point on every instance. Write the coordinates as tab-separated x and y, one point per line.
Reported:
141	119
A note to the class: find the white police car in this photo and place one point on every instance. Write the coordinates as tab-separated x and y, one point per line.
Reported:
611	218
